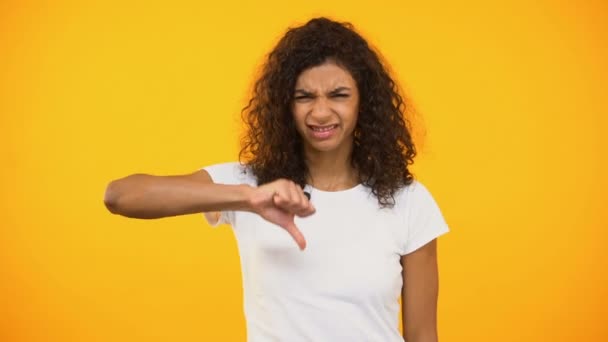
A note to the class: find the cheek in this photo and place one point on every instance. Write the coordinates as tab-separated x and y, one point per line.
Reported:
351	112
298	119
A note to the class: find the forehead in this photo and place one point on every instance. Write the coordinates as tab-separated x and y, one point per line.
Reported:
326	76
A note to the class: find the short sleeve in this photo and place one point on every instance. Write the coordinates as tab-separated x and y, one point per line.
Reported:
425	221
224	173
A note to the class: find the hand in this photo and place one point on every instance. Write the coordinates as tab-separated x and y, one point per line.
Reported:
278	202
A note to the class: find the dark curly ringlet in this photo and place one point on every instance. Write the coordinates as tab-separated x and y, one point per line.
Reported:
382	147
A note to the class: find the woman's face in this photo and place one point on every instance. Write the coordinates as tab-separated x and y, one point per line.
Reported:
325	108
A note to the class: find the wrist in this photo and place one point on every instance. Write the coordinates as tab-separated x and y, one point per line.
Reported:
245	195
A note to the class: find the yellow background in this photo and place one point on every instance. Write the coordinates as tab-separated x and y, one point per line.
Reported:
511	96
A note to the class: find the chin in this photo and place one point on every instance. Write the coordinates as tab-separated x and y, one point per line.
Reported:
323	146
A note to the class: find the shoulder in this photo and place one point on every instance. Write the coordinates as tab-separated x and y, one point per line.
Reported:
417	189
410	192
403	196
415	196
424	218
231	172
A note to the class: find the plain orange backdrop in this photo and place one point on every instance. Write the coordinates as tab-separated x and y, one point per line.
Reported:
511	119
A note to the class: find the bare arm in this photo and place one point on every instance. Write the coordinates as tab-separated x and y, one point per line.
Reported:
419	294
148	197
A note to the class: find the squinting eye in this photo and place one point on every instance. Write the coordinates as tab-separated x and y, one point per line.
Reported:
302	97
341	95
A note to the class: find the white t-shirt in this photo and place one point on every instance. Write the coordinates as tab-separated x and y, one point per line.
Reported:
346	284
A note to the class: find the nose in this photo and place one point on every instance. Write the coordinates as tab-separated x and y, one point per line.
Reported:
321	109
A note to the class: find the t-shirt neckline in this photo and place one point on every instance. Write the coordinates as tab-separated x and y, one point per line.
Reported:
338	192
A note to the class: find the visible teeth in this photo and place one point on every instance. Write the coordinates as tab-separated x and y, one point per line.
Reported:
323	129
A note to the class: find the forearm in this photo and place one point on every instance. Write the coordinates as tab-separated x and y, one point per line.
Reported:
148	197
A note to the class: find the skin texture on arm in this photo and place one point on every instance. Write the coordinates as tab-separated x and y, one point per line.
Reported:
149	197
419	294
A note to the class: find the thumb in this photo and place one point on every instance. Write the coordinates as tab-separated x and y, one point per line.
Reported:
296	234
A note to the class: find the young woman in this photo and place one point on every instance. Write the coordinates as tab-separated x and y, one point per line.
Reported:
324	162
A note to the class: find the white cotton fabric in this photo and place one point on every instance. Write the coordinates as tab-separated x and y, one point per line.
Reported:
346	284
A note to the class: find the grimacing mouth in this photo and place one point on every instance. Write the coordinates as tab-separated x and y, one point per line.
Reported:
314	127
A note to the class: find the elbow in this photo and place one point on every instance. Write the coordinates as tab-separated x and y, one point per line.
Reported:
121	197
111	197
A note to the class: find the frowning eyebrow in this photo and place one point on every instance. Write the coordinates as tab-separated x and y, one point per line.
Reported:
337	90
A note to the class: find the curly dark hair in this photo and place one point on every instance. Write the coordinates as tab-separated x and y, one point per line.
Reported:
382	145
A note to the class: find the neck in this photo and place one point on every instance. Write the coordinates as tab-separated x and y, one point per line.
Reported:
331	171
